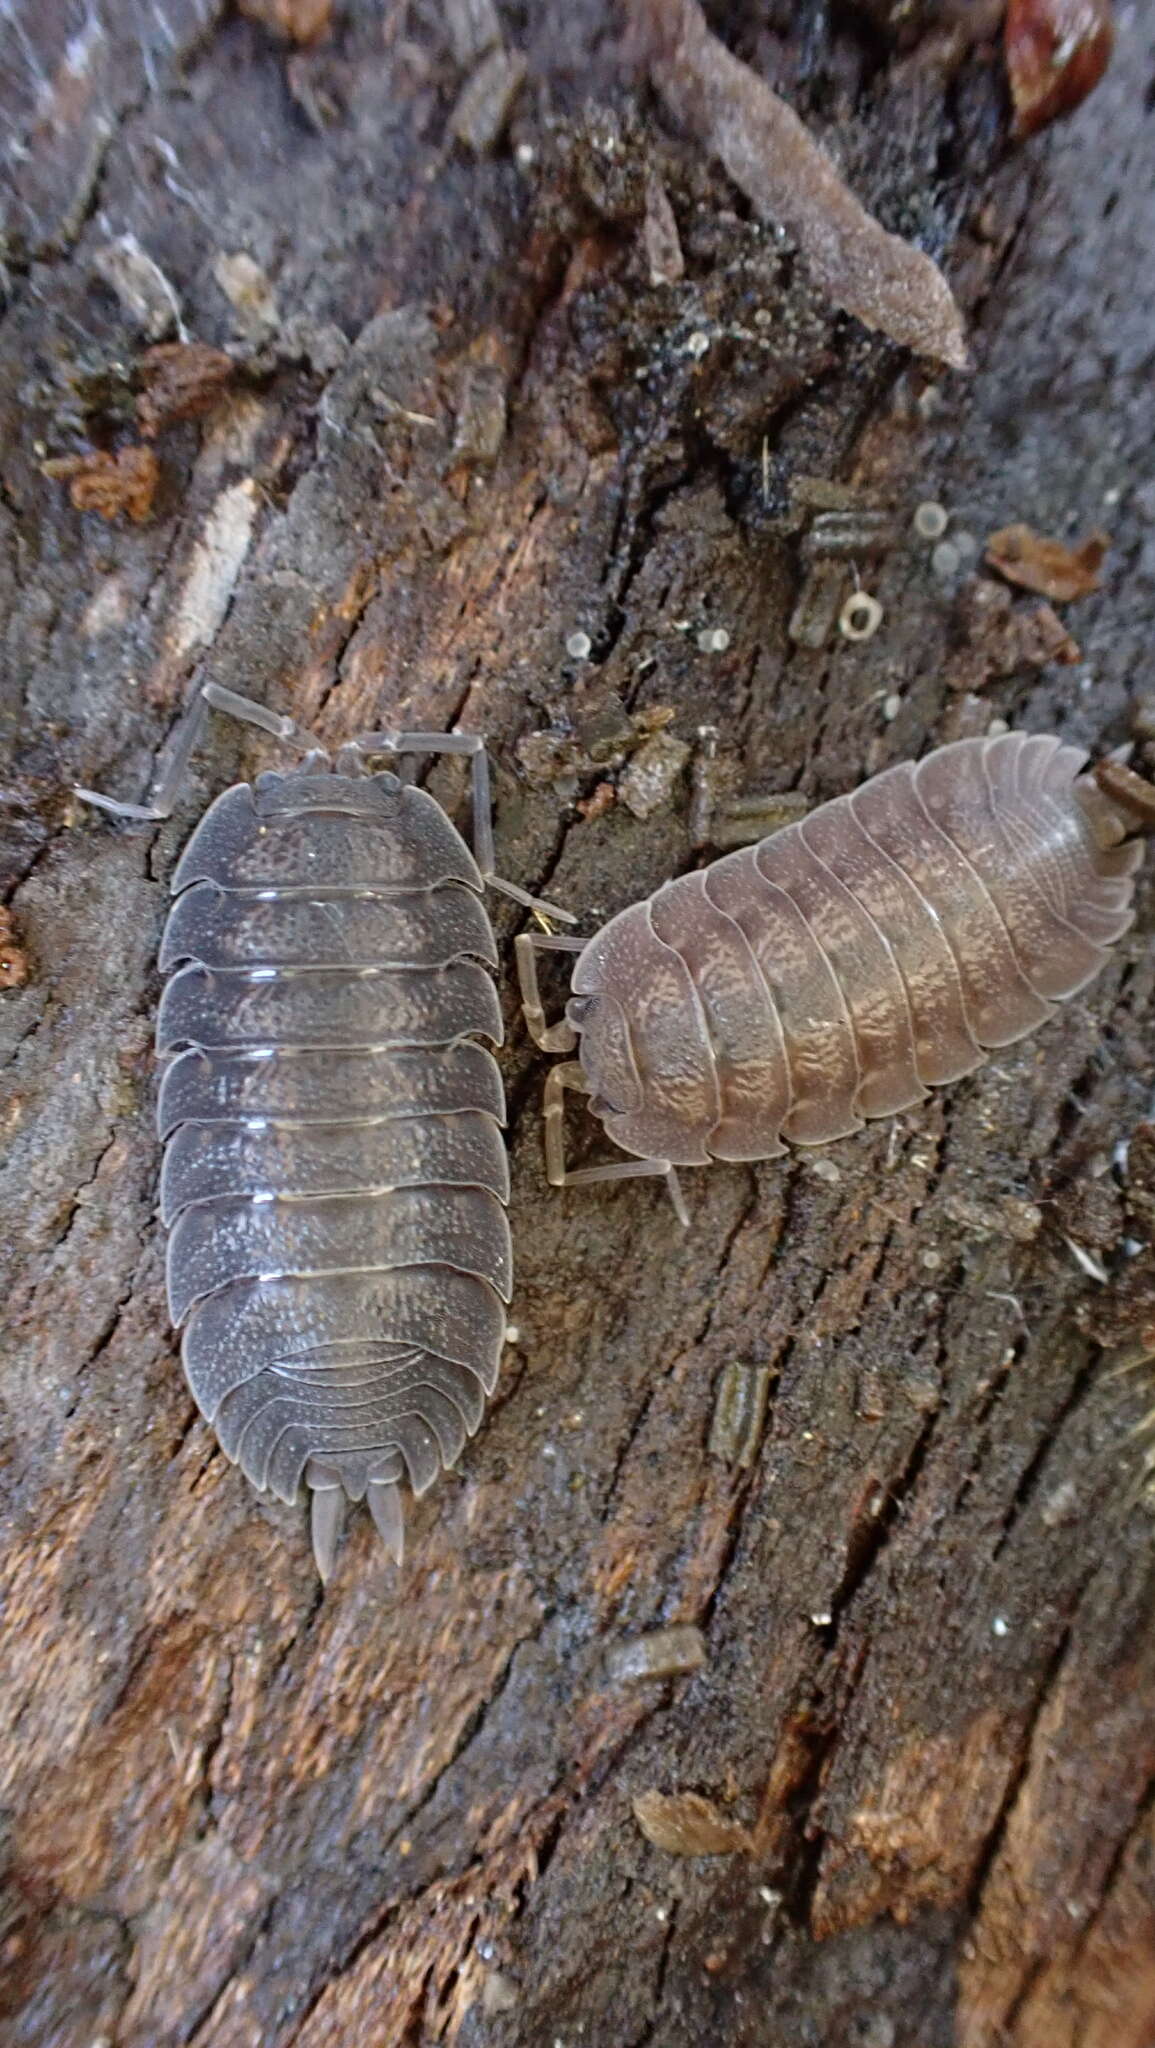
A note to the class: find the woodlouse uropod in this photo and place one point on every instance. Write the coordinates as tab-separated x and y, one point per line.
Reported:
334	1181
882	945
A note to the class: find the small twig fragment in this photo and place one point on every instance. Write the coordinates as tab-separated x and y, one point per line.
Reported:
885	282
1049	567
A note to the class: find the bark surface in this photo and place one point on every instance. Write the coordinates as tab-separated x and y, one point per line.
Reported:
461	426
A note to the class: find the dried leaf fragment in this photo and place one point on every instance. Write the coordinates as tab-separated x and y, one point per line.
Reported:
13	958
300	21
685	1824
1048	567
1056	52
179	380
109	484
885	282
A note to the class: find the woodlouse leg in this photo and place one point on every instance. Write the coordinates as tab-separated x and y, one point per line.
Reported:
559	1037
184	743
471	745
569	1074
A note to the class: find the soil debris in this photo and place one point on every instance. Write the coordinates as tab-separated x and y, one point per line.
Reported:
1000	641
664	1653
884	281
485	102
180	380
1049	567
99	481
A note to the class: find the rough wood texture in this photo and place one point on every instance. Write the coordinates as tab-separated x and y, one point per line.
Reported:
465	426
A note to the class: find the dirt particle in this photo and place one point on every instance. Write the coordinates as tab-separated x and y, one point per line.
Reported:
179	380
110	484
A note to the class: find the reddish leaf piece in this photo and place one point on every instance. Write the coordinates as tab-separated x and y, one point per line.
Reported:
1049	567
1057	51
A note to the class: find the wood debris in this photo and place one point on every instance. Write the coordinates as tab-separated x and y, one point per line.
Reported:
179	380
664	257
140	285
109	483
13	958
485	102
685	1824
1000	641
1056	53
884	281
1048	567
664	1653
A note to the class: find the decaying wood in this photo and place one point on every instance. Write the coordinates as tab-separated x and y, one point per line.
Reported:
818	1517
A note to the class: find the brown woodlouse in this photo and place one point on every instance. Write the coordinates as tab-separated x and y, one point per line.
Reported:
882	945
335	1180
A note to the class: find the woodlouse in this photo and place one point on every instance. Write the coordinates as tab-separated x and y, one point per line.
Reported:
834	971
335	1180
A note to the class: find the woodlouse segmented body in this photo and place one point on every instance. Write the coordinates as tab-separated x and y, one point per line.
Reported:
884	944
334	1177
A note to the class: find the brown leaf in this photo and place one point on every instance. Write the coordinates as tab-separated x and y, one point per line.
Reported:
109	484
885	282
301	21
1056	52
685	1824
1049	567
179	380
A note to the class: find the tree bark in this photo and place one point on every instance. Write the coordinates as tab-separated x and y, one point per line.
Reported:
461	427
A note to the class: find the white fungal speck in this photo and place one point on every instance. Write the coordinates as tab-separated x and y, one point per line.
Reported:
697	344
1000	1626
860	617
931	520
823	1618
512	1334
578	646
713	640
946	560
891	706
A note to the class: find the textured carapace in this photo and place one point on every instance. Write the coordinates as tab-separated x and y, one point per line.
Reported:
334	1179
835	971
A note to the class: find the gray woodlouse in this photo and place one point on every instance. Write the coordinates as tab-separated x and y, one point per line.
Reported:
335	1180
834	971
